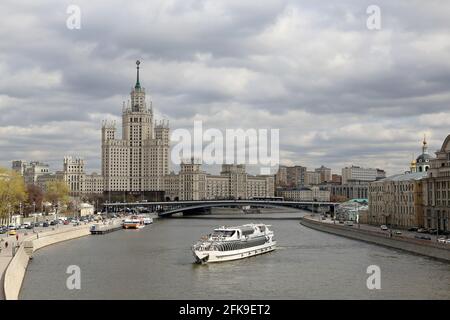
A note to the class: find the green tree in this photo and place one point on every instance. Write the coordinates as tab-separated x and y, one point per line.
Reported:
12	192
57	192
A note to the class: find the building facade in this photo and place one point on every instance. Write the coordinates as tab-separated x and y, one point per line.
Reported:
436	193
397	201
305	194
312	178
352	190
355	173
79	182
232	183
139	160
324	174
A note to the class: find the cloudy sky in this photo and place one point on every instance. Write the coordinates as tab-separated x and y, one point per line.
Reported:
340	93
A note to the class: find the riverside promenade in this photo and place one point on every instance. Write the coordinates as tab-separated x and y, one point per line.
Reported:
369	234
13	267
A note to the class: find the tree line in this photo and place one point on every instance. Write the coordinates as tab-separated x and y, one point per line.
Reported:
17	197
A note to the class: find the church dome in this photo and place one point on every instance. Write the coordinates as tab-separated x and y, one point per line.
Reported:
424	157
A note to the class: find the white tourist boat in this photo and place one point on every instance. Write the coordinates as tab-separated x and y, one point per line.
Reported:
232	243
133	222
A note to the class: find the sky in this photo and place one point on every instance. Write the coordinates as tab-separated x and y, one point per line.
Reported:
339	92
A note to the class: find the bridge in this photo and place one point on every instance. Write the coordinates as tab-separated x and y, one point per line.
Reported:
168	208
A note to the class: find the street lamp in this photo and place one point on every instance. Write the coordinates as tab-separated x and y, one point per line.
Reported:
34	213
9	214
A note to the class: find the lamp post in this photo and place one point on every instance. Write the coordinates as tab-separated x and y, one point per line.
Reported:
9	214
34	214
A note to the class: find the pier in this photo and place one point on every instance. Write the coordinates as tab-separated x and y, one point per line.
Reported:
105	228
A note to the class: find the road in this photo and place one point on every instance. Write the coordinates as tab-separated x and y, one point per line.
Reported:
377	229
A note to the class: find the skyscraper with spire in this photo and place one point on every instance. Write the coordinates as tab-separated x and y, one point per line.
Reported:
140	159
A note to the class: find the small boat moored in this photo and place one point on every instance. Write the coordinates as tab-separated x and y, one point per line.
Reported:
148	220
232	243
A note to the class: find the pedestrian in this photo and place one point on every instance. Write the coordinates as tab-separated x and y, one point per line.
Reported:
6	245
17	237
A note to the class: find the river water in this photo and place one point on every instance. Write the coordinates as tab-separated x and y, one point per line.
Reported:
156	263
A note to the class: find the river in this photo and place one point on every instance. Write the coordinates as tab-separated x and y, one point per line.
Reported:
156	263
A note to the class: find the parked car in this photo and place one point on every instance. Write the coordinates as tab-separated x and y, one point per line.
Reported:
384	227
413	229
422	237
421	230
349	223
397	232
66	222
45	224
442	240
12	232
3	230
53	223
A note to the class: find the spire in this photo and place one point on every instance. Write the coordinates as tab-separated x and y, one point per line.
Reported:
424	144
138	85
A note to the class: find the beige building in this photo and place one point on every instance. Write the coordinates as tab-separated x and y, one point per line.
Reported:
138	160
78	181
305	194
31	171
397	200
281	179
312	178
296	176
324	174
355	173
233	183
436	192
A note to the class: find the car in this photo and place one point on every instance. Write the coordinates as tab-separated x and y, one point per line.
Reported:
29	226
12	232
447	241
421	230
66	222
3	230
384	227
36	224
422	237
45	224
397	232
442	240
432	231
413	229
53	223
349	223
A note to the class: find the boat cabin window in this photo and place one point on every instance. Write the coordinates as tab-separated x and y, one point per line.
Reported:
223	233
262	228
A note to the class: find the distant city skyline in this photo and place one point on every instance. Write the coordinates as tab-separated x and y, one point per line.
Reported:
340	94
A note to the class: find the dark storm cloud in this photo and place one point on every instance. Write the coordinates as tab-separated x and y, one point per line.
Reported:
339	92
